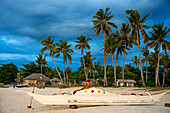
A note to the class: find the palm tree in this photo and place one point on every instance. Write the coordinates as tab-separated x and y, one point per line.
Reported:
41	60
50	45
111	49
165	61
157	40
137	24
82	44
125	31
102	23
64	48
68	70
88	63
146	54
114	43
153	61
135	61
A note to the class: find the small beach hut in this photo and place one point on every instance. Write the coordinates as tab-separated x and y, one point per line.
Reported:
55	82
36	79
128	82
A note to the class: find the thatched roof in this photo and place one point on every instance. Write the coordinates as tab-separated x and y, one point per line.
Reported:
55	80
126	80
38	77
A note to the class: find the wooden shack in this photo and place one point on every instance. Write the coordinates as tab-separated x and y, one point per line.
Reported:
36	79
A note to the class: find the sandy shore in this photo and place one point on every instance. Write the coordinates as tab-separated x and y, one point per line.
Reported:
13	101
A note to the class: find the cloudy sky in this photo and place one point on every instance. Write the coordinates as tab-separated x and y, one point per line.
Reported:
23	23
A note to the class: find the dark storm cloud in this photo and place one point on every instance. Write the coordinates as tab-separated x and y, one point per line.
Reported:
23	23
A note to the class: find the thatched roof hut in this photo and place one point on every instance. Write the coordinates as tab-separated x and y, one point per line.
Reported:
55	82
35	78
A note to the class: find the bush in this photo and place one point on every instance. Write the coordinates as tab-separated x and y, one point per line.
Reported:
31	84
150	83
48	83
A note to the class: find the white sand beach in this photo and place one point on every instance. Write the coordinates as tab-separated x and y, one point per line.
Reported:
14	101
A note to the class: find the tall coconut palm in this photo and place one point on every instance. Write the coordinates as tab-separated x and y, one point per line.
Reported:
50	45
135	61
165	62
64	48
111	49
102	23
68	71
41	60
137	24
157	40
114	43
82	44
145	53
88	63
153	61
125	31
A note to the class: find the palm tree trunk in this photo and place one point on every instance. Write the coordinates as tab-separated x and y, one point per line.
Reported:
156	77
143	82
105	77
64	71
157	74
163	79
41	68
67	78
114	70
87	73
123	63
57	70
84	67
146	70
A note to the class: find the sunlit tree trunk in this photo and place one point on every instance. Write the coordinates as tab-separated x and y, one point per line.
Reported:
105	77
156	80
123	63
157	74
115	83
143	82
84	67
64	71
57	70
41	68
146	70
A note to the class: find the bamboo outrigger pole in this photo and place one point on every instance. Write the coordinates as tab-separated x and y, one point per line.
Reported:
29	107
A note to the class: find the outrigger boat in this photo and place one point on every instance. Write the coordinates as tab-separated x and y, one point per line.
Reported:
95	96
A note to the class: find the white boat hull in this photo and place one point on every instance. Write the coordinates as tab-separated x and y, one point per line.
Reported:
86	97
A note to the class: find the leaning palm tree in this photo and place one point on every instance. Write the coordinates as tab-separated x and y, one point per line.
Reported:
50	45
41	60
125	31
64	48
102	23
157	40
145	52
82	44
137	24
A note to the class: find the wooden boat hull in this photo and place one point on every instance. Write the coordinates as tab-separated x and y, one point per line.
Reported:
86	97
